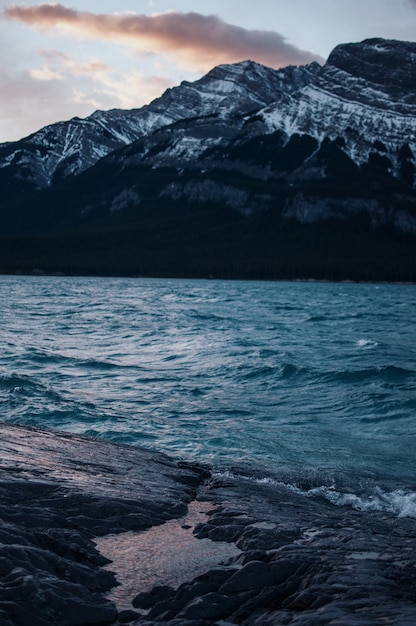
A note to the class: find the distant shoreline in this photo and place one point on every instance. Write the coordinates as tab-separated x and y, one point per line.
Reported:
36	273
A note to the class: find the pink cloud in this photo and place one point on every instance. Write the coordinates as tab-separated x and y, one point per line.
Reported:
196	41
57	61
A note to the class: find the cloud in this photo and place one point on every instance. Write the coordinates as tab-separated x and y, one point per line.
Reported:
98	83
197	42
45	73
30	102
132	89
57	63
63	87
49	85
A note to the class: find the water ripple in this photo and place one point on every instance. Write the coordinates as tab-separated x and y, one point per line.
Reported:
272	375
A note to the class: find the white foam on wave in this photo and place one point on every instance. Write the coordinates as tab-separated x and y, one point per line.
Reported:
367	343
398	502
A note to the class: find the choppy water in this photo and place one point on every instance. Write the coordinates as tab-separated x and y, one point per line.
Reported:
313	384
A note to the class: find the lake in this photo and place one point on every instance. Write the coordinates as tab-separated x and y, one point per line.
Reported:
304	383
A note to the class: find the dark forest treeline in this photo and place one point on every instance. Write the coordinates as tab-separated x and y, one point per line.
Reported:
263	246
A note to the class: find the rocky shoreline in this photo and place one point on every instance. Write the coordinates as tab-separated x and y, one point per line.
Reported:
299	560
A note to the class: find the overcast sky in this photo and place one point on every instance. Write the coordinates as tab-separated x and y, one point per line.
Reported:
66	59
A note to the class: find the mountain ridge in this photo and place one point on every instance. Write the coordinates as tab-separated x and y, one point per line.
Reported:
243	152
68	148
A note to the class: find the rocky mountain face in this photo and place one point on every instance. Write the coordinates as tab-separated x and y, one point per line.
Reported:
68	148
246	149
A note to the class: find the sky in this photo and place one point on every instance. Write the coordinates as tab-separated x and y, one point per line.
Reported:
71	58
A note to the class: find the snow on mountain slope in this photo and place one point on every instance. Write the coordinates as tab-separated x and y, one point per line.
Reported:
365	93
308	142
68	148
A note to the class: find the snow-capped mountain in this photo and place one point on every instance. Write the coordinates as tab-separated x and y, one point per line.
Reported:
341	138
67	148
365	93
304	145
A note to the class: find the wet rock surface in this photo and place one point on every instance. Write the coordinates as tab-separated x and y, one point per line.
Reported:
303	561
57	492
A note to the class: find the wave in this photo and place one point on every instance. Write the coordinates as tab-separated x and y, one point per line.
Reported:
318	318
11	381
259	373
387	373
207	316
398	502
286	370
335	317
366	343
35	357
26	400
25	385
98	364
289	370
280	371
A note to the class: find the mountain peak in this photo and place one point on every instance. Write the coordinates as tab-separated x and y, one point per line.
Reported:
240	162
388	65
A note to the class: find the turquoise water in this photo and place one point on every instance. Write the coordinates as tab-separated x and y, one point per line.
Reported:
313	384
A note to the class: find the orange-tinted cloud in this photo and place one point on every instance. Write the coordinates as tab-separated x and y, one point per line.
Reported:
56	61
196	41
30	102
